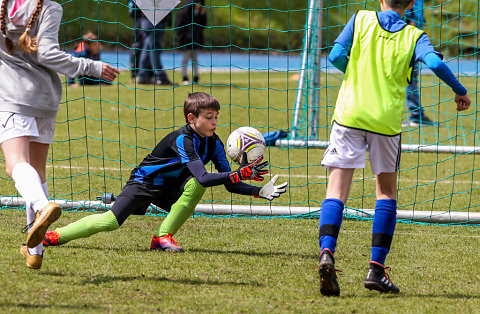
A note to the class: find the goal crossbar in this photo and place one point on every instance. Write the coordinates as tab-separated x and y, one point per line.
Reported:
405	147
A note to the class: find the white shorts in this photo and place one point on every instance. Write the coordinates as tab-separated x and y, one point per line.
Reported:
39	130
348	149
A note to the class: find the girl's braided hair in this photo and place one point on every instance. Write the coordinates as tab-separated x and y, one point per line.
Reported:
25	42
3	26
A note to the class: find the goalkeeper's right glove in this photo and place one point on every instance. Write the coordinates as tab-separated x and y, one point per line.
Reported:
251	171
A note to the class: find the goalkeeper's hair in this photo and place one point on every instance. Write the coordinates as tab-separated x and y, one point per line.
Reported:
398	4
196	102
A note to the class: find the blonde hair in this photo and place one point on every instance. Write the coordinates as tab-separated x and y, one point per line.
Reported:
25	42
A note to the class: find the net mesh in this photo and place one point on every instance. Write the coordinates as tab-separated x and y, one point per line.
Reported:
252	60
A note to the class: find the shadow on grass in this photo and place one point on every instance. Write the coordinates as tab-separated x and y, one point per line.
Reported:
259	254
50	307
411	295
90	247
207	251
442	295
98	280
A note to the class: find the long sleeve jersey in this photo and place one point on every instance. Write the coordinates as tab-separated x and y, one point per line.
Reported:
29	83
183	154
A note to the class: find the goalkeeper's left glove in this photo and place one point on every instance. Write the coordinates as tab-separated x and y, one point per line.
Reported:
271	191
249	171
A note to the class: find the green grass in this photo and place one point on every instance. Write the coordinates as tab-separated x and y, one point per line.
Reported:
238	265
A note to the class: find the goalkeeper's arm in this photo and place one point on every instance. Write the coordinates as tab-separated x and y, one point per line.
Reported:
269	191
251	171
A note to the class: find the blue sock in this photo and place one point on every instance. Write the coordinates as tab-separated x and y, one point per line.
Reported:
330	221
383	227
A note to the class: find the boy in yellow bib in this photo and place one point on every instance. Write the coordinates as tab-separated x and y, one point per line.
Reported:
376	51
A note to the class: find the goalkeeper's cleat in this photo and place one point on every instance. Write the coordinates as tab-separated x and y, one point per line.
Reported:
328	277
51	238
44	218
33	261
378	279
165	243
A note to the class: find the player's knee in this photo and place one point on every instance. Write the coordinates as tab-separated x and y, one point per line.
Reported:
112	226
194	190
112	222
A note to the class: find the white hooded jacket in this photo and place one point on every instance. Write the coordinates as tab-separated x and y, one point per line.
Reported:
29	83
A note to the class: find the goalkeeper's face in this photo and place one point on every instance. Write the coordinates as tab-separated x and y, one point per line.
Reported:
206	122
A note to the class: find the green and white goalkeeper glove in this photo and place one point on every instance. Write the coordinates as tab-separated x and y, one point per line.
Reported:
271	191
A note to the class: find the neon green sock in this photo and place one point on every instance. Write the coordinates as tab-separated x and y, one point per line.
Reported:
88	226
182	209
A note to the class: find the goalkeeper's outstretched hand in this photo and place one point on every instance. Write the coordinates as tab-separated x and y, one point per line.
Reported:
249	171
271	191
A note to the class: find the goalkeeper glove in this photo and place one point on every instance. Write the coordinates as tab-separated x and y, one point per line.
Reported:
271	191
247	171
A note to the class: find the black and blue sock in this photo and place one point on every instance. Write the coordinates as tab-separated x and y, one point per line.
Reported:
383	227
330	222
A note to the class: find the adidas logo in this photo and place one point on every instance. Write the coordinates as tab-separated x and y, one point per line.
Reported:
333	151
386	281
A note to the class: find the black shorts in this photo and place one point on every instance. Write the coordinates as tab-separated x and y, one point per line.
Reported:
136	197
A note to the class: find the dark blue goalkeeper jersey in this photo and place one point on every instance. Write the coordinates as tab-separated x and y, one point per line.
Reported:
167	163
183	154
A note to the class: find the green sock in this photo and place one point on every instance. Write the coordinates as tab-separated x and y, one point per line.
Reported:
182	209
88	226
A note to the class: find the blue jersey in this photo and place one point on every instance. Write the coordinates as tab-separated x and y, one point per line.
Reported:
167	163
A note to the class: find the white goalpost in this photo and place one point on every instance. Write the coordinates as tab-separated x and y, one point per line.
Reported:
433	148
438	217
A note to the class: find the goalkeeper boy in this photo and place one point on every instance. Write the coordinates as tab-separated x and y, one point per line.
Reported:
377	51
173	177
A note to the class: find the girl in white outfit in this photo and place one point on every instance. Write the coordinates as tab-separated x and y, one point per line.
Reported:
30	93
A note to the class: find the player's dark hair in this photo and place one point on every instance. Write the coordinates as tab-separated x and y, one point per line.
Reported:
196	102
398	4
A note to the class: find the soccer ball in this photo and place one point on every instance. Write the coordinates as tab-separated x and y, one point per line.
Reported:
245	139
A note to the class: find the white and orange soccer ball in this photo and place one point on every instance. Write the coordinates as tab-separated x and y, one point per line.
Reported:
245	140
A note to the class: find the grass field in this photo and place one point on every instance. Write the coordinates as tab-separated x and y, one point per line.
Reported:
241	265
238	265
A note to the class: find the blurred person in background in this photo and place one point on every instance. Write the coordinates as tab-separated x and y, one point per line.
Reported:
191	20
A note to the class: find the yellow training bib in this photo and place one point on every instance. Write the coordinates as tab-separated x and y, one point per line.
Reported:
372	94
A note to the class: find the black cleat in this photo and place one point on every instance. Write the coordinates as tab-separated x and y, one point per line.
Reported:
377	279
328	278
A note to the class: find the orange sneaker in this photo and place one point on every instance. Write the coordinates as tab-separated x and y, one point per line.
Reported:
51	238
165	243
